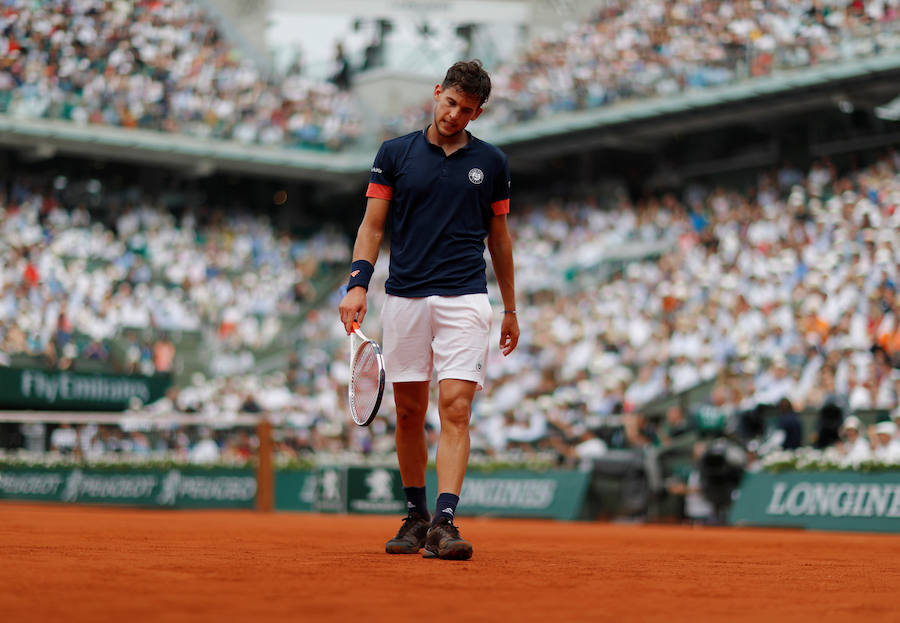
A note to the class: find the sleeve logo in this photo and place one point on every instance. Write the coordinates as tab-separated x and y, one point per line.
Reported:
476	175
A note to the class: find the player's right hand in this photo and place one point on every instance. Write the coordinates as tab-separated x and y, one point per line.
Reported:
353	307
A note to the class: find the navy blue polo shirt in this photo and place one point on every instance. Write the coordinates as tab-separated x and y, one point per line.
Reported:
440	215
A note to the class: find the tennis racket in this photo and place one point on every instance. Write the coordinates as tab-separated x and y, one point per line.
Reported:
366	377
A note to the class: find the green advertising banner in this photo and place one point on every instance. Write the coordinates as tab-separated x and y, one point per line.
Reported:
295	490
519	493
508	493
839	500
45	390
174	488
341	490
330	490
375	490
512	493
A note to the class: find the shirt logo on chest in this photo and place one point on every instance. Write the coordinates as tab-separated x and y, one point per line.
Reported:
476	175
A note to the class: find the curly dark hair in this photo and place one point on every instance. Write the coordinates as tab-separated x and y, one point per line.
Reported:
469	77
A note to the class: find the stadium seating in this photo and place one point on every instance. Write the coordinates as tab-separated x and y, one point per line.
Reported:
653	49
161	65
785	291
88	292
718	301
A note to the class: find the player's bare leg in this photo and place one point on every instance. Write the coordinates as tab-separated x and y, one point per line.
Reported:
411	402
455	408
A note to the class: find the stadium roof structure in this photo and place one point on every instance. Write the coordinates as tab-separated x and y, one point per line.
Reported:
624	125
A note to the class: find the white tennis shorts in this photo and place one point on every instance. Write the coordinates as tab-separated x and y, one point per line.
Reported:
446	334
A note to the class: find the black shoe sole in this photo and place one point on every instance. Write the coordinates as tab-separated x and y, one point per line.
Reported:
400	549
457	553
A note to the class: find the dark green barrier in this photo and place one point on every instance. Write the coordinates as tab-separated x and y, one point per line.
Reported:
519	493
330	490
295	490
509	493
345	489
54	390
174	488
375	490
853	501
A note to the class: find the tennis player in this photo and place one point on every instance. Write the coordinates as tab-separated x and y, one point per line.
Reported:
444	192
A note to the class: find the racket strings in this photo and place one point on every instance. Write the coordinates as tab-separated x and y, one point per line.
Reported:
366	381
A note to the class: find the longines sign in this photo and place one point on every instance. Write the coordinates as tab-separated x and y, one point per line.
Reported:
825	501
835	500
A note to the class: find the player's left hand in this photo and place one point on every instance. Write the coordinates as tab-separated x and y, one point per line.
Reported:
509	334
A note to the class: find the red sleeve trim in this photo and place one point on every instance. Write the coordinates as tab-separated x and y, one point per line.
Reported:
379	191
500	207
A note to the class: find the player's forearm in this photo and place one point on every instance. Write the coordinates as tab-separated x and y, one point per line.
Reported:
500	248
368	242
371	231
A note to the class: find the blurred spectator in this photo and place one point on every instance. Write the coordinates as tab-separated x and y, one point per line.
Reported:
590	446
674	427
205	449
853	447
639	431
163	354
696	508
885	445
64	439
789	425
340	75
828	426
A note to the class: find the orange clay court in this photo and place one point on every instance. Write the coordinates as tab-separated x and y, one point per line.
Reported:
70	563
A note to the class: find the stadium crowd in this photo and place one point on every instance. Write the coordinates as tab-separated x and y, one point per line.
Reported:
162	65
653	325
77	280
747	307
779	299
655	48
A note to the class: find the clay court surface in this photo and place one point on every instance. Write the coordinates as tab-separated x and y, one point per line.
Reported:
63	563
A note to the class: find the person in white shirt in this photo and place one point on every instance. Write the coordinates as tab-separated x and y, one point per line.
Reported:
64	439
886	447
648	385
853	447
206	450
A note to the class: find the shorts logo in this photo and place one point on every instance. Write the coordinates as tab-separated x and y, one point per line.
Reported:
478	366
476	175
